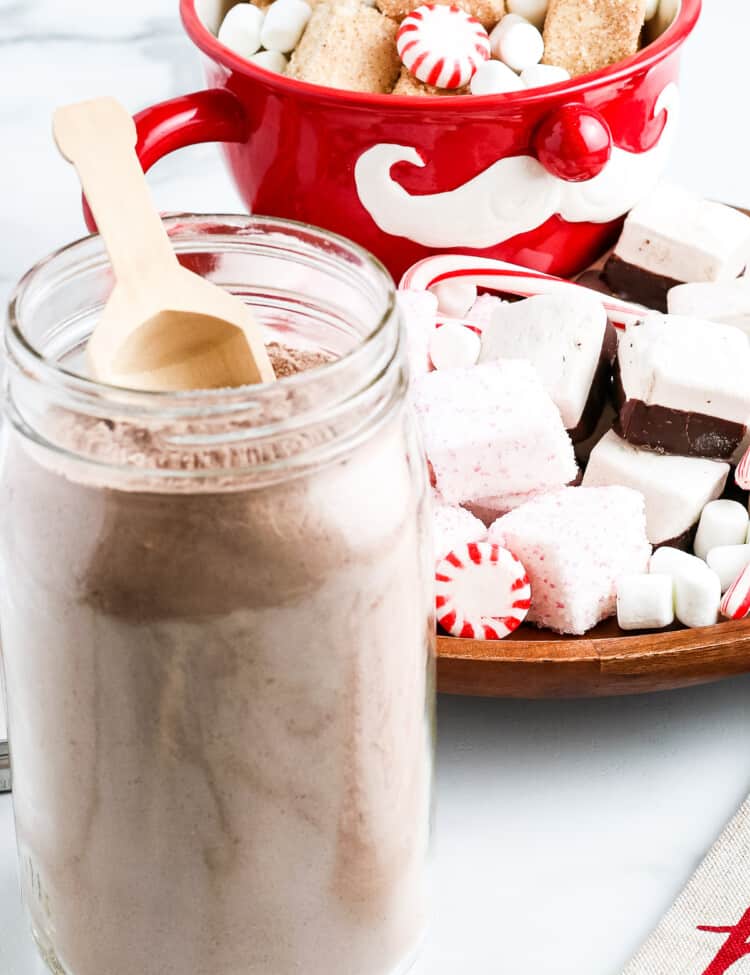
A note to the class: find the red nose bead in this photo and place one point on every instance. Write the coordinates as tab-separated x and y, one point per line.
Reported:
574	143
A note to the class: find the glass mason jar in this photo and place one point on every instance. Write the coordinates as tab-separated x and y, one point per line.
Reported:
217	629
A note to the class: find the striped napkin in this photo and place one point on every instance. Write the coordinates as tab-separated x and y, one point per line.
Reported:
707	929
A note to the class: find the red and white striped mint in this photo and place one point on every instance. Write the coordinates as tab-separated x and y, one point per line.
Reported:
735	604
742	472
442	45
482	591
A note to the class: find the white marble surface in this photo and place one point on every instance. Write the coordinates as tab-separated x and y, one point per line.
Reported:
564	830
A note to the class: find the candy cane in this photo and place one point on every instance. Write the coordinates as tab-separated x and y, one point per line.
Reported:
486	272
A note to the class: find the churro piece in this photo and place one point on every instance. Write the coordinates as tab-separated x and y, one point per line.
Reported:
487	12
348	45
586	35
407	84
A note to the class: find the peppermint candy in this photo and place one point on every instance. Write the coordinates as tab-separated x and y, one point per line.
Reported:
442	45
482	592
742	473
736	602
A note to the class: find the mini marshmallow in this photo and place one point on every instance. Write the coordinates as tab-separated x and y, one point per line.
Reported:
652	7
442	45
669	561
455	297
241	29
284	24
727	561
541	75
645	602
697	590
454	346
482	592
532	10
271	61
517	43
736	602
494	78
697	595
722	522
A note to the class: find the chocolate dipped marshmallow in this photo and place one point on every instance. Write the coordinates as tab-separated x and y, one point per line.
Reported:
675	489
568	340
673	237
681	386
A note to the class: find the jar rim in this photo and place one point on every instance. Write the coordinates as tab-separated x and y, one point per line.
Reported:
21	351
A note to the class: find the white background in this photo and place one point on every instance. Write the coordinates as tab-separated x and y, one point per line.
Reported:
564	830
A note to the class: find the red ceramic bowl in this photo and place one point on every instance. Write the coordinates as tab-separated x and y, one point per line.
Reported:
540	178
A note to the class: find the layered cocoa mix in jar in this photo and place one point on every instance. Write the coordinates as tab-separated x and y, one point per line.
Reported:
217	630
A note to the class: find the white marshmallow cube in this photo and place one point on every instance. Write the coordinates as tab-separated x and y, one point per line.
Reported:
241	29
727	302
645	602
541	75
517	43
652	7
494	78
722	522
727	561
454	346
532	10
271	61
284	23
455	297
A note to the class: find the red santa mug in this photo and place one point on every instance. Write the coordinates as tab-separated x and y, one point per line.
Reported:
539	177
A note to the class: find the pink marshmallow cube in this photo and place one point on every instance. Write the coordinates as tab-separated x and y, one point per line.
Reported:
492	430
452	527
576	544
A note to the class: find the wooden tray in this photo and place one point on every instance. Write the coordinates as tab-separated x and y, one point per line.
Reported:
537	664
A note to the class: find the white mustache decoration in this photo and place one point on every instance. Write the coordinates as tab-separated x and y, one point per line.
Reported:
510	197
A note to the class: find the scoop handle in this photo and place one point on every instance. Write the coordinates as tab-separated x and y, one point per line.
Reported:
98	137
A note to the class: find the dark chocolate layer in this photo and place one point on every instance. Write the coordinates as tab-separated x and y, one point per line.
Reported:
594	280
684	541
599	392
671	431
638	283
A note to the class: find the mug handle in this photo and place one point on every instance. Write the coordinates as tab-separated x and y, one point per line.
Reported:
214	115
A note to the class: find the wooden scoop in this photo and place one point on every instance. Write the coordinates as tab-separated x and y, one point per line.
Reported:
163	328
